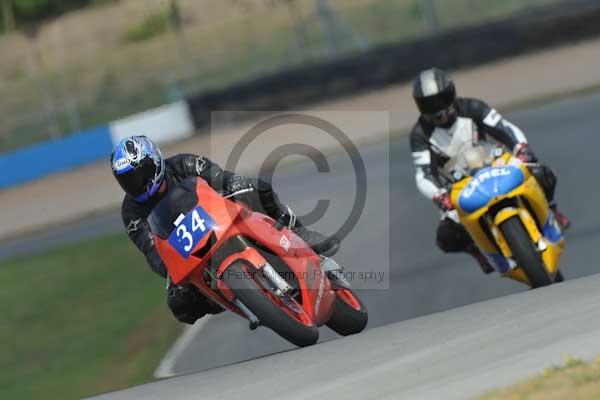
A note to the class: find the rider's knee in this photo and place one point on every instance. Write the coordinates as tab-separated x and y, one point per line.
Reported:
546	178
452	237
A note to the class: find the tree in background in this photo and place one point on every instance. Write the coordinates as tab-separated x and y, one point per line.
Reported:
18	13
36	10
8	15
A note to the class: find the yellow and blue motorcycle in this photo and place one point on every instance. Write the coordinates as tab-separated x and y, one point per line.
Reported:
504	209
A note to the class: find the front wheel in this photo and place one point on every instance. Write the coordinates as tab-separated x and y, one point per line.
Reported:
349	314
263	304
525	252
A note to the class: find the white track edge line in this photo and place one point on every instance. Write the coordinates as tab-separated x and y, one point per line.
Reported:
165	368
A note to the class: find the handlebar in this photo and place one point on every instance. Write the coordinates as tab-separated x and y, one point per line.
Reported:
243	191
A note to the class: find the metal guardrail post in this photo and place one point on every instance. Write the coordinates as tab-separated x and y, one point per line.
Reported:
430	16
336	29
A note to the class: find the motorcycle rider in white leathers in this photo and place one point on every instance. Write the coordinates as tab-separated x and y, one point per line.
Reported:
449	124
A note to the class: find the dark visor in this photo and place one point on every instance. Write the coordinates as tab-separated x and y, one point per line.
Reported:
439	102
137	181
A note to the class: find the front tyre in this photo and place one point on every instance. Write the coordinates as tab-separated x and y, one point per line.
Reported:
262	303
349	314
525	252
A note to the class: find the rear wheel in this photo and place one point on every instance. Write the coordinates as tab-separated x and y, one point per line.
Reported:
524	252
349	314
292	326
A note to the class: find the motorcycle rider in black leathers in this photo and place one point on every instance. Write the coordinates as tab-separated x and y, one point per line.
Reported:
447	124
146	176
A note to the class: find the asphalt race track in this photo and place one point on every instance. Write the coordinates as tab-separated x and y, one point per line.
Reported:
452	355
396	230
422	279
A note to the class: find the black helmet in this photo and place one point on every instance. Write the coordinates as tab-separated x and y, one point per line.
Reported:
138	166
434	93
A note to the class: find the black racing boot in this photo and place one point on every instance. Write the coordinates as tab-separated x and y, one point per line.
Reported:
482	260
213	308
187	303
321	244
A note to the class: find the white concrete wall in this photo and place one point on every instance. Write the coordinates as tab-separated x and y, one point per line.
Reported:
165	124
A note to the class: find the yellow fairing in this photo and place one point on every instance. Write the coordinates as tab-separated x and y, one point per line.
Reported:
494	242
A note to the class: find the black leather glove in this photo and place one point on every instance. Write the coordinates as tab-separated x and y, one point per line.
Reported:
443	201
525	154
236	183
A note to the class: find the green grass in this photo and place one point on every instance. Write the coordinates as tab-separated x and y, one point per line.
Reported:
573	380
81	320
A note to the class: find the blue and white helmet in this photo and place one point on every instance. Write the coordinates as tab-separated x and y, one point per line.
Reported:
138	166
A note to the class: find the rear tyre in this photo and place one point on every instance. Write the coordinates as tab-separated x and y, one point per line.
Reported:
524	252
349	314
269	313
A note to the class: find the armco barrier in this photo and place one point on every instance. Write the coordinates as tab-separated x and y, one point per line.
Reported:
54	156
528	31
164	124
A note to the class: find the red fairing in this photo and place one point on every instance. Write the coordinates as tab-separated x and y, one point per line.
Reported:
231	219
222	211
317	295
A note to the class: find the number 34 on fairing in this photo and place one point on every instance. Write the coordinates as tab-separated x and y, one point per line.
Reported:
191	229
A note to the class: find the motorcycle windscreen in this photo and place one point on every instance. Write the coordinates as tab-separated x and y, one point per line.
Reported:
180	220
487	184
187	224
179	200
181	227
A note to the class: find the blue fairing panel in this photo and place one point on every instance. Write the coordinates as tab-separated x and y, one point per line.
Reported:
487	184
552	230
499	262
190	230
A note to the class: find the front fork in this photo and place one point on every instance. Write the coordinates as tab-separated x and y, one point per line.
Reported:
281	288
278	286
252	318
530	226
528	223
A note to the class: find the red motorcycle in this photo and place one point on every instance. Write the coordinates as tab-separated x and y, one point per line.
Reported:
250	264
